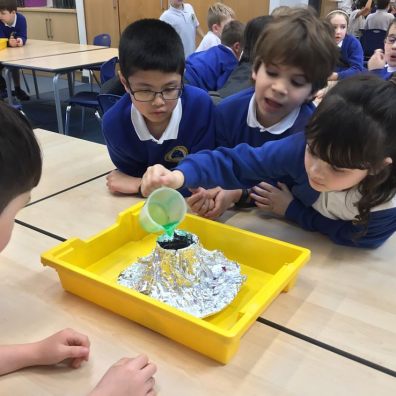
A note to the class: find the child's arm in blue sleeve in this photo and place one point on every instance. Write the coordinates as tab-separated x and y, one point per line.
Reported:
355	60
381	226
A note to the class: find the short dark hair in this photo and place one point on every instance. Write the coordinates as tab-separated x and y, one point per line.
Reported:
20	156
150	44
299	39
382	4
8	5
354	127
232	33
253	30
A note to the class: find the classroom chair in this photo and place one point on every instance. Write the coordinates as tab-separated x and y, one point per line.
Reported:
103	39
105	102
371	40
88	98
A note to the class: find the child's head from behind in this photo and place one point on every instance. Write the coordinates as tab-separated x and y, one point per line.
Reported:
8	9
152	65
232	36
351	141
382	4
294	56
390	45
252	32
20	167
219	15
339	20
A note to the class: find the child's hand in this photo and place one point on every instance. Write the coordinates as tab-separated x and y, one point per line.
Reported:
19	42
118	182
274	199
333	77
377	60
201	201
66	344
13	42
157	176
224	200
128	377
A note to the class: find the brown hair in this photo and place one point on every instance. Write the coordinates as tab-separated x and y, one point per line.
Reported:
217	13
8	5
232	33
299	39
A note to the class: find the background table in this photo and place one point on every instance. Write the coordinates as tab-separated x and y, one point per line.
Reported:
61	64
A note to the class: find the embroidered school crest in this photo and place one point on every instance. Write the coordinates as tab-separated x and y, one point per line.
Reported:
176	154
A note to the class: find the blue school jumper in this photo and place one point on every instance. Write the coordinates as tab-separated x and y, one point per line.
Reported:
383	73
210	69
132	155
19	30
351	55
330	213
231	122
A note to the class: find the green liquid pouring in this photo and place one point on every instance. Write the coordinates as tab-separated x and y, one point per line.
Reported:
159	215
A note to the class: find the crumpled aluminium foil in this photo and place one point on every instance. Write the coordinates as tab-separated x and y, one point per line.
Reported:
192	279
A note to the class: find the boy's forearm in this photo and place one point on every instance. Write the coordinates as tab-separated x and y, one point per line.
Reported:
16	357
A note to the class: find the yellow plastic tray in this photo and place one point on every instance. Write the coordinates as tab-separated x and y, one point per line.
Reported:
90	268
3	43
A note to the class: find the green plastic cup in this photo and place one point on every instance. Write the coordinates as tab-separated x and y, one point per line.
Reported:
163	210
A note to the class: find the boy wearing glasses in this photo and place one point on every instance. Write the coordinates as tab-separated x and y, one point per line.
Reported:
383	63
158	121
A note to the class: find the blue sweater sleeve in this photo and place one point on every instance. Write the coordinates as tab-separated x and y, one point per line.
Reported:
245	166
352	53
21	28
381	226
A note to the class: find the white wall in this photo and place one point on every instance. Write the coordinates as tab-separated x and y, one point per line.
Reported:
291	3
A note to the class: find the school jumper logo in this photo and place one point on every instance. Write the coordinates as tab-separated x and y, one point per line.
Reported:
176	154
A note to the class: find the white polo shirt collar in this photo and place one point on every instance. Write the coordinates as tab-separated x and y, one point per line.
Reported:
171	131
276	129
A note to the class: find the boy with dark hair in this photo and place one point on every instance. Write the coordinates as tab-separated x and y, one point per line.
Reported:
158	121
380	19
286	79
219	15
20	172
210	69
13	27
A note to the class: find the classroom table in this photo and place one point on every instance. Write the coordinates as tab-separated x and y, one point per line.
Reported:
42	48
68	161
342	302
33	306
61	64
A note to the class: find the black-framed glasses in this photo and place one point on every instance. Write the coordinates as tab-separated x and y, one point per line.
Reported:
146	95
390	40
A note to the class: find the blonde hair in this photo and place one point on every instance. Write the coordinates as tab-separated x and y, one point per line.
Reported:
217	13
330	15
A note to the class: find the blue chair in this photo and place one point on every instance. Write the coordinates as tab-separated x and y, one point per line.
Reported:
103	40
105	102
371	40
88	98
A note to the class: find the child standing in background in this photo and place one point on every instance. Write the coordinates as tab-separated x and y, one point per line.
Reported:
182	17
158	120
342	170
219	15
383	63
210	69
13	27
351	51
357	17
286	78
20	172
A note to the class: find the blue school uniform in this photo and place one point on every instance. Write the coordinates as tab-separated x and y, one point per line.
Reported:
331	213
210	69
351	57
383	73
19	30
232	128
191	129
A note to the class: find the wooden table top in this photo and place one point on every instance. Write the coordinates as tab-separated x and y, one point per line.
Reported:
68	161
65	61
269	362
43	48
